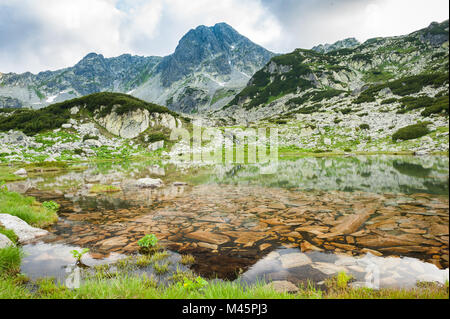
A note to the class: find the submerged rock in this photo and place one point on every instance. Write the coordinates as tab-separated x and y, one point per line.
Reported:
156	146
149	182
179	184
294	260
24	231
20	172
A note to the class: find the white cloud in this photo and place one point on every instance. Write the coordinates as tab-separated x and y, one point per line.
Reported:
37	35
249	18
310	22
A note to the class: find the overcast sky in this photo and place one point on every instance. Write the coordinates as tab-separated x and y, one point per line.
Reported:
37	35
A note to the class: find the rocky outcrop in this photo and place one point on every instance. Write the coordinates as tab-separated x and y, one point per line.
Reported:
24	231
131	124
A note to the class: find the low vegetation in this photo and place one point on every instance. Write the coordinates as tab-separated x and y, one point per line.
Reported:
404	86
10	259
187	286
27	209
100	188
411	132
9	233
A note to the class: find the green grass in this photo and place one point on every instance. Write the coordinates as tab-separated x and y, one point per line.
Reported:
161	268
11	289
99	188
187	259
142	287
427	292
10	259
9	233
6	174
27	209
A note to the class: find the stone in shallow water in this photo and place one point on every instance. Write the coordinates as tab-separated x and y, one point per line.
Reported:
207	245
208	237
351	223
283	286
24	231
306	246
371	251
438	229
114	242
179	184
21	172
249	238
328	268
294	260
414	231
149	183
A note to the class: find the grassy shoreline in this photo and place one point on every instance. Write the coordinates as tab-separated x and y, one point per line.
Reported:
27	208
142	287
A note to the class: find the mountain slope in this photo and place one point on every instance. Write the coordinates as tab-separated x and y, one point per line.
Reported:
209	66
289	81
118	113
348	43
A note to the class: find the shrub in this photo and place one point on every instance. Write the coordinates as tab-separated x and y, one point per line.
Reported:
364	126
365	98
439	105
51	205
404	86
309	109
90	137
412	103
155	137
148	243
389	101
411	132
326	94
347	110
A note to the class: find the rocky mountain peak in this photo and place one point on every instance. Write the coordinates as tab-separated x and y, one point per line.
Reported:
207	60
216	46
435	34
